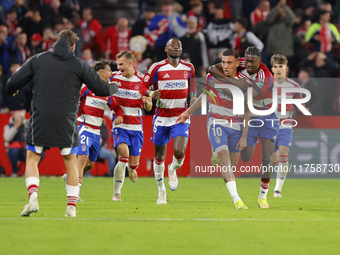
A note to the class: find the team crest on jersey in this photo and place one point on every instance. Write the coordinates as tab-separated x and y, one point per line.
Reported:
147	77
83	147
259	84
137	85
186	75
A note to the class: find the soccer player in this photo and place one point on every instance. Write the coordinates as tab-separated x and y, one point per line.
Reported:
57	77
285	138
225	132
128	137
171	78
90	118
264	127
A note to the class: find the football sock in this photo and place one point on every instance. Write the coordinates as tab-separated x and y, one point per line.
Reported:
119	174
158	168
264	189
79	185
132	167
72	194
233	191
176	163
281	173
32	185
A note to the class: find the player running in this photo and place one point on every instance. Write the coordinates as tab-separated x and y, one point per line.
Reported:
225	132
264	127
90	118
285	138
171	78
128	137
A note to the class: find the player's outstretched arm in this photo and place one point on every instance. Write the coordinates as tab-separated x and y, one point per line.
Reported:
20	78
194	107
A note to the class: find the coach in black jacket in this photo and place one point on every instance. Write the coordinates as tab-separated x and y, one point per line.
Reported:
57	78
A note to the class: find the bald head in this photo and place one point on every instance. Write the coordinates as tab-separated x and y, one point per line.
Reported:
122	24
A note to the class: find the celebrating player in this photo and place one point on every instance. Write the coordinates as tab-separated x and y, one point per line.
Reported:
225	132
285	137
171	78
90	118
128	137
263	127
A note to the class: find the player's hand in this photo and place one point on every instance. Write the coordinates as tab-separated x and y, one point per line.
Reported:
241	144
145	99
183	117
156	94
118	120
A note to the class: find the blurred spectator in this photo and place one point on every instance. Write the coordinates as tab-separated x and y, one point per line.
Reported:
87	56
22	100
21	9
317	94
197	11
280	34
5	41
322	65
12	21
323	33
141	26
49	11
21	51
302	48
242	38
60	24
91	31
260	13
116	38
138	45
193	43
36	44
218	33
48	39
33	23
72	24
14	136
209	11
7	4
165	26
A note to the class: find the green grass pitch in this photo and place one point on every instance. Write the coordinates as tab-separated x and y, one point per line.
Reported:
199	219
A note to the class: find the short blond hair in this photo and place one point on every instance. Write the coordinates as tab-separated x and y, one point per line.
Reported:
278	59
128	55
71	36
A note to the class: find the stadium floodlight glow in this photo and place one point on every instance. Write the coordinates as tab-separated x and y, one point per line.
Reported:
238	100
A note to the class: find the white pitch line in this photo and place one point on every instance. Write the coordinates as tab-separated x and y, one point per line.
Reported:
164	219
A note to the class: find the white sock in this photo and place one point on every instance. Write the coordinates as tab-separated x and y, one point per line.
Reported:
281	176
33	192
233	191
72	191
264	189
159	174
119	176
175	164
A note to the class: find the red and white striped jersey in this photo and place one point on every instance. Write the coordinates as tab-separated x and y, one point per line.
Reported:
174	83
264	80
224	111
129	99
91	110
288	83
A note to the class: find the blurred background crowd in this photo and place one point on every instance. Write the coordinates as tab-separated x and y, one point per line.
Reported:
306	31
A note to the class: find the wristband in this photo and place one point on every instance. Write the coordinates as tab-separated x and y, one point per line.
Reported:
150	95
193	98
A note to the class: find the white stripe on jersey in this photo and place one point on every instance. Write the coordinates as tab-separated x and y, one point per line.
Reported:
92	120
89	129
167	121
132	111
128	127
221	110
172	103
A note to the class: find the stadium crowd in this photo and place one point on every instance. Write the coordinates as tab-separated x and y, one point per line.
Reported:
305	31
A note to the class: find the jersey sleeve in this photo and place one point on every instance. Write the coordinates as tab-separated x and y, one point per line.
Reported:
192	81
150	78
84	91
114	106
264	80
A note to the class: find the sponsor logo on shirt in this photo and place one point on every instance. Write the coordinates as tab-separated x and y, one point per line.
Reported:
175	85
128	94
